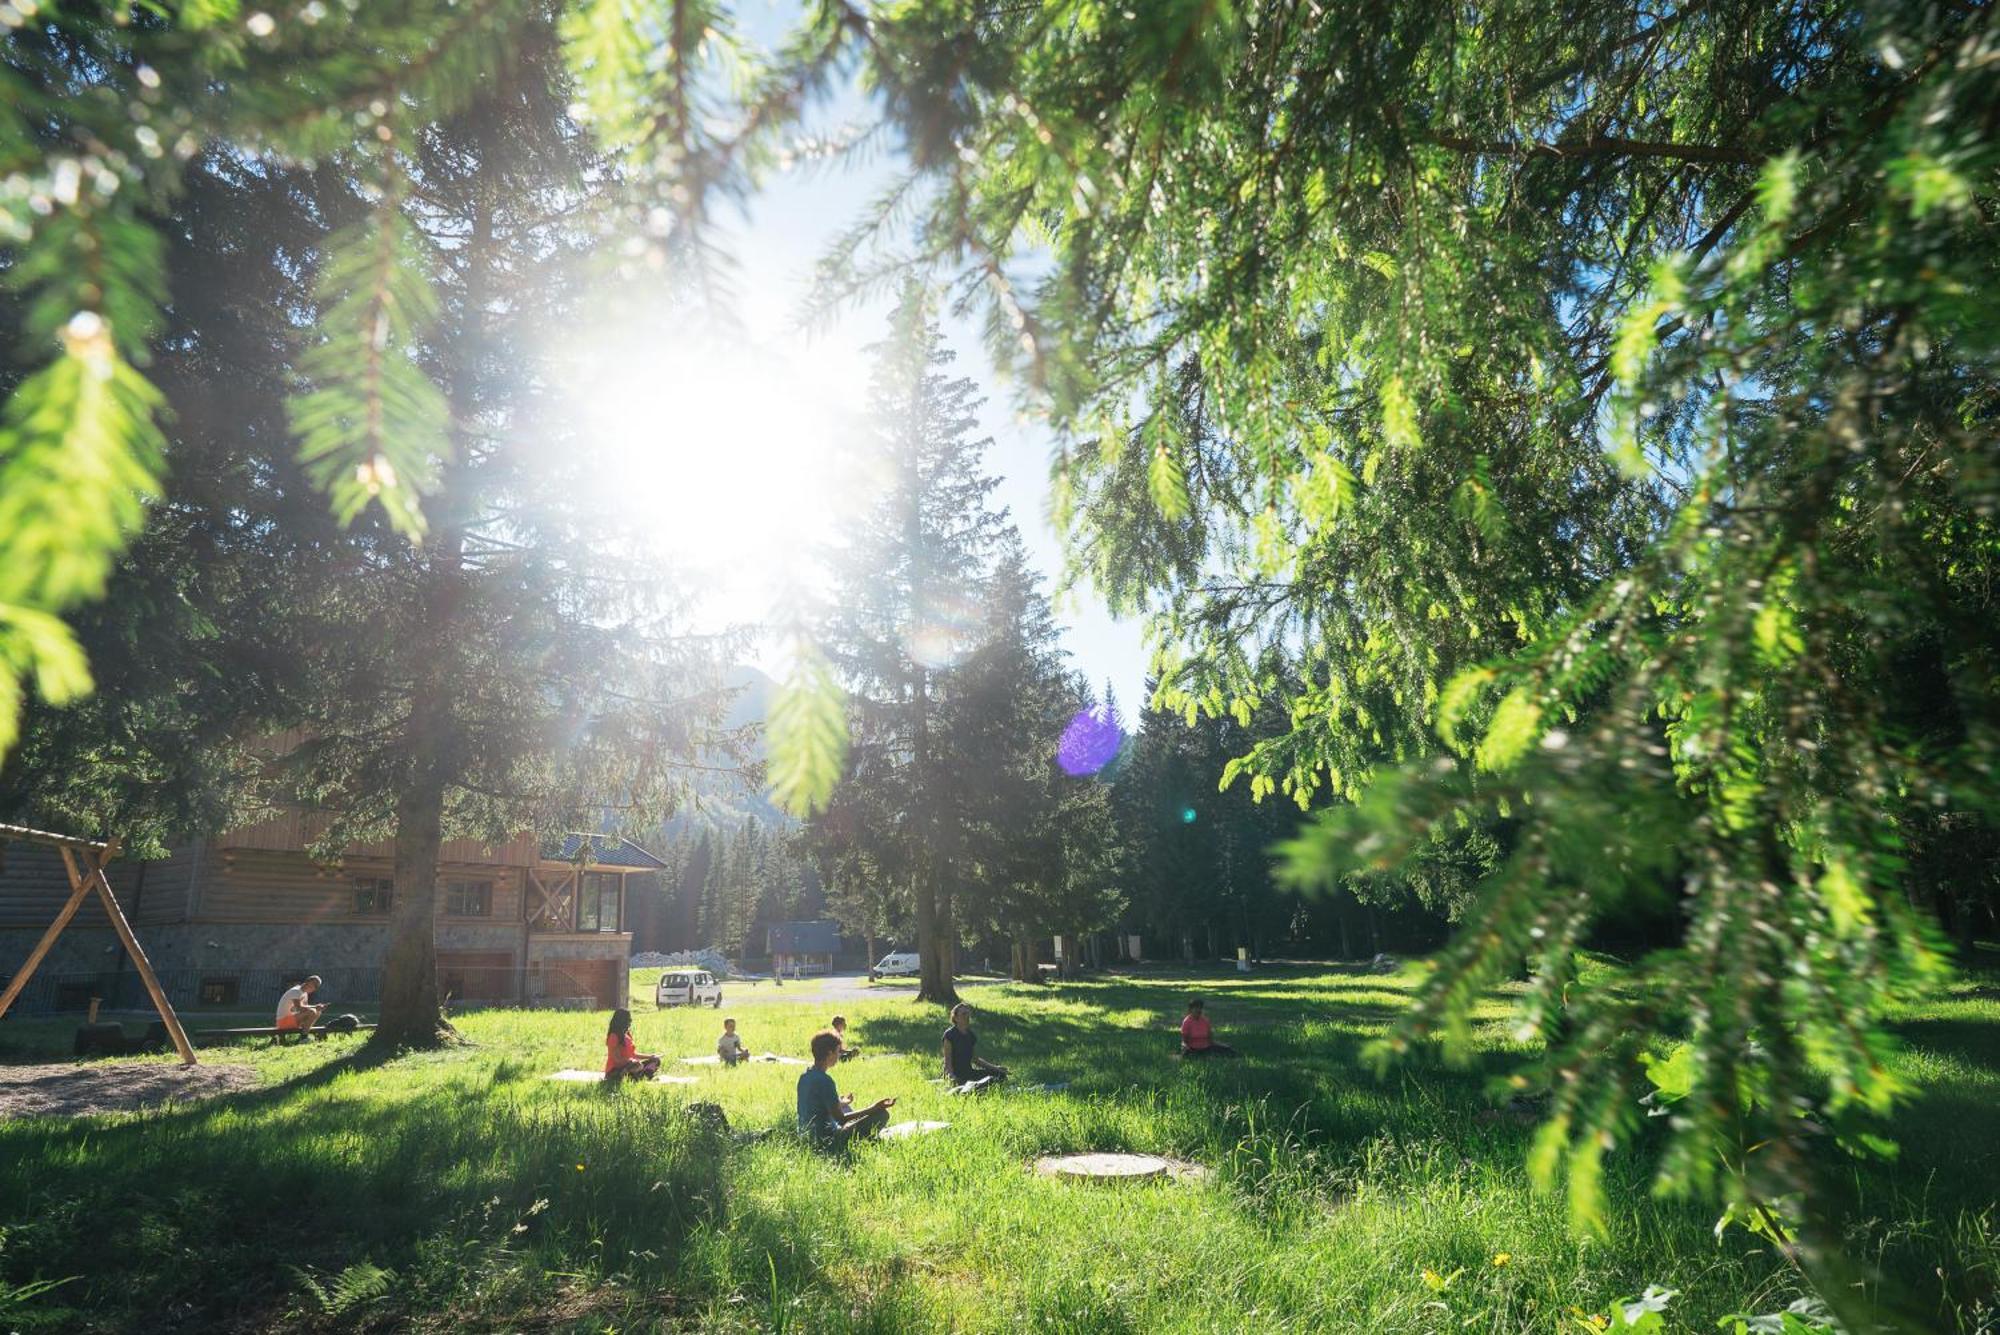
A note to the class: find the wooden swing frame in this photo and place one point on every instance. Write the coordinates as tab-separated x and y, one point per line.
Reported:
85	860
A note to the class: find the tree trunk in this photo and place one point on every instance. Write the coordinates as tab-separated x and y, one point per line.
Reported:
933	904
934	944
1963	929
1340	917
410	1014
869	937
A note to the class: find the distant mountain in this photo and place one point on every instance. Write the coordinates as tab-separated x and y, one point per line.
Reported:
724	801
756	689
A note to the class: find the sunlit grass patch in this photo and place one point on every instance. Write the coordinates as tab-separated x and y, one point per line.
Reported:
463	1189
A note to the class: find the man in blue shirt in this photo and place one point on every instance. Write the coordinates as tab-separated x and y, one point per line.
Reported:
820	1115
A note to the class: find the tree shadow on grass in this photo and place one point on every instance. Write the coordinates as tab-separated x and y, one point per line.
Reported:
1319	1083
461	1190
1975	1041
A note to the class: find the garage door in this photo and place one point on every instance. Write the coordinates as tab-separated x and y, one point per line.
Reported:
476	975
595	978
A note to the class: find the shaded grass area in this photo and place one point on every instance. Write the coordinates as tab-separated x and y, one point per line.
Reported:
462	1190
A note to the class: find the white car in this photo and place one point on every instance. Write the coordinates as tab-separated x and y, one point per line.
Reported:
688	987
898	963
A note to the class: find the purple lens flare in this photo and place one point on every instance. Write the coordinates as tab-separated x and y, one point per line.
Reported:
1089	743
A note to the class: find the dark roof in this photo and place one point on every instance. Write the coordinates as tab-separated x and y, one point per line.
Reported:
603	850
803	938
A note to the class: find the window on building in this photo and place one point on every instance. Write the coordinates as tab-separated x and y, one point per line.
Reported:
372	894
218	991
468	899
597	902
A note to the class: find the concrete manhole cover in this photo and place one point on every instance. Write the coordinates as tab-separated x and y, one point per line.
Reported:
1118	1167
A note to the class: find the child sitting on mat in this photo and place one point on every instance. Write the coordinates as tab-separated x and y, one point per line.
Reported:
622	1058
730	1047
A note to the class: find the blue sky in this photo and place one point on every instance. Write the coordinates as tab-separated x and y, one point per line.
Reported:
820	373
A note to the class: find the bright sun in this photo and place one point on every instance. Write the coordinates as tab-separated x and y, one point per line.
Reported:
725	450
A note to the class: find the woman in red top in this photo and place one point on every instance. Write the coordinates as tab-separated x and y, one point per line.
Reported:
622	1058
1197	1035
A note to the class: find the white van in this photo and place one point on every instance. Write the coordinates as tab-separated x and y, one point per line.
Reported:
898	964
688	987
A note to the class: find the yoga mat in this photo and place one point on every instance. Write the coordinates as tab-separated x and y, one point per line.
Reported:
597	1078
904	1130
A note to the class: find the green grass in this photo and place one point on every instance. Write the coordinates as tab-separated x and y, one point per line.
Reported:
462	1190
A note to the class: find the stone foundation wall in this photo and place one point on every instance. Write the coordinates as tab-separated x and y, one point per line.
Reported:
78	950
248	965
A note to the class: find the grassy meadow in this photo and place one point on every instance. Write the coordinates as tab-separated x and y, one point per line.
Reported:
462	1189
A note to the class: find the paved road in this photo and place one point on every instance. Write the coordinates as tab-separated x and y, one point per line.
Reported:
840	987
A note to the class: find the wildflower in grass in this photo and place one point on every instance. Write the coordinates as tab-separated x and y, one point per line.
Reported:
579	1168
1502	1258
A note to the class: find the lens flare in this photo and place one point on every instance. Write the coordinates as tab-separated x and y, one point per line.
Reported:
1089	743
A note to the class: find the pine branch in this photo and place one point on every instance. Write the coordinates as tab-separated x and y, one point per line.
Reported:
371	425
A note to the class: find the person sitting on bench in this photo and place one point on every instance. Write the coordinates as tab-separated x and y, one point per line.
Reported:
847	1049
730	1047
296	1014
622	1058
1197	1035
823	1114
961	1066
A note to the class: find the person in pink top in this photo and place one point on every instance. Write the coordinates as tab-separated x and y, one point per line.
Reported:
622	1058
1198	1036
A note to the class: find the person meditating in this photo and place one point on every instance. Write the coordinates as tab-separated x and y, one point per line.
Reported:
847	1049
729	1047
823	1114
622	1058
961	1066
296	1015
1197	1035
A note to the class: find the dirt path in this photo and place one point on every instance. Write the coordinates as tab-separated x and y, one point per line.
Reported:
830	988
69	1090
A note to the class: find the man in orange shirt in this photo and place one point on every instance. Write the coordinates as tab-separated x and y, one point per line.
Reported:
296	1011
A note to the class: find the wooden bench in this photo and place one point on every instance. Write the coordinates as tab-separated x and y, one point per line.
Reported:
275	1034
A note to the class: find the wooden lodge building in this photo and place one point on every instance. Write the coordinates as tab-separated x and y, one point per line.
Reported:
228	922
803	948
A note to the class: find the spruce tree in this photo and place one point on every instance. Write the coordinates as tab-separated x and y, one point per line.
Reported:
1037	847
508	671
185	672
907	583
102	108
